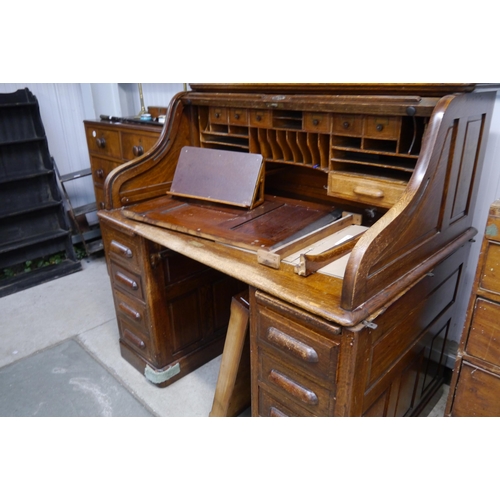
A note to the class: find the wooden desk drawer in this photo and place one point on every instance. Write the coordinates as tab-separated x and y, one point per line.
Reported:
484	333
477	393
132	310
363	189
312	354
490	278
123	248
316	122
351	125
382	127
270	407
127	281
135	145
288	384
238	117
103	142
134	337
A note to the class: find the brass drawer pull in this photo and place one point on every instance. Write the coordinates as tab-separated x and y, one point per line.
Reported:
125	280
291	345
293	388
129	311
367	191
133	339
121	249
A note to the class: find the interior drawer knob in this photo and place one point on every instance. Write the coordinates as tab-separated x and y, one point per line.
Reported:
346	124
379	127
100	173
101	142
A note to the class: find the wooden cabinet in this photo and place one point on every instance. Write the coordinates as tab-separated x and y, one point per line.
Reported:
475	386
112	144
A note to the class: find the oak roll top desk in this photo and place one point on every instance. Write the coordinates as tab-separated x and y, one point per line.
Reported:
353	250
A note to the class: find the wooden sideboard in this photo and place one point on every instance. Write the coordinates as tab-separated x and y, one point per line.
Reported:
357	328
475	384
113	143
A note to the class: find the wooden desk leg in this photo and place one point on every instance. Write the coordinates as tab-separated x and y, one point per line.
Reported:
232	393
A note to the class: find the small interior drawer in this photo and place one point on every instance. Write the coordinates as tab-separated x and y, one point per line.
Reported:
218	115
238	117
364	189
351	125
317	122
382	127
261	118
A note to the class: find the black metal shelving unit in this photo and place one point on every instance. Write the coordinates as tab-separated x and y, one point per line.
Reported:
33	223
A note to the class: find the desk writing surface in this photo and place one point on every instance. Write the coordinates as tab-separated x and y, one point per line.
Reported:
319	294
273	221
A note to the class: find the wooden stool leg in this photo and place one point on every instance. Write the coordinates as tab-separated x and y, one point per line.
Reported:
227	400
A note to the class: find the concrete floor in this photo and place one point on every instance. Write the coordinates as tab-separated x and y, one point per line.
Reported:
59	356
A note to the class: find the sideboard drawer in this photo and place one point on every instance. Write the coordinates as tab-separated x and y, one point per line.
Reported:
136	144
104	142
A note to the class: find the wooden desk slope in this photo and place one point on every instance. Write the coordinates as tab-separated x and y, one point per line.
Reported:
370	343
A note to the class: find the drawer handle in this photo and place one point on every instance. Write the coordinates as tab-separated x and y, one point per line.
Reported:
258	118
133	339
291	345
237	116
129	311
367	191
121	249
100	173
101	142
315	121
379	127
217	115
346	124
126	280
293	388
138	150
